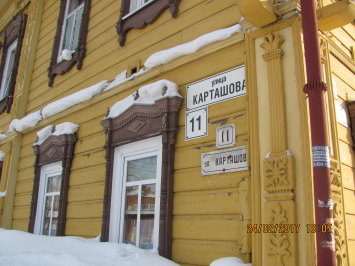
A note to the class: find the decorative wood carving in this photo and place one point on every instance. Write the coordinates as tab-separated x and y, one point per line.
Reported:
279	166
26	46
279	173
279	241
80	51
54	149
340	241
16	30
160	119
147	15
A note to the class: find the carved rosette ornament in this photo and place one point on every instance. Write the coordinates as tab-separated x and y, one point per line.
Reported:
278	167
137	123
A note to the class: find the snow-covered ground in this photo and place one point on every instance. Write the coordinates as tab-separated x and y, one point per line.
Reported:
19	248
24	249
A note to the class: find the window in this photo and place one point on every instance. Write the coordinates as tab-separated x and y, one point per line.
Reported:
11	52
70	36
8	69
48	200
71	26
138	197
136	14
136	194
136	5
51	183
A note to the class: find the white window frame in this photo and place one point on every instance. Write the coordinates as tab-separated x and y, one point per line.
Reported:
137	150
47	171
132	12
11	48
66	16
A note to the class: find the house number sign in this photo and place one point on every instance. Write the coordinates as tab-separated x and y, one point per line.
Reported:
224	161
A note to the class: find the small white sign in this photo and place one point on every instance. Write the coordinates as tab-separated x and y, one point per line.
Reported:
225	136
231	160
196	124
335	89
215	89
341	114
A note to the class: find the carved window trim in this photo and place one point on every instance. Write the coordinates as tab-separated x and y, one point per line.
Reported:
54	149
78	56
16	31
138	123
146	15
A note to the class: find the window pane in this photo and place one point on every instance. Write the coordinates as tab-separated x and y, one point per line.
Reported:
146	235
55	216
74	4
142	169
77	29
54	183
10	67
67	34
47	216
130	216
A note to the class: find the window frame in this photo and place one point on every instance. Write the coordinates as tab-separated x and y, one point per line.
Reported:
47	171
15	32
124	154
55	149
66	16
141	122
60	68
140	18
11	48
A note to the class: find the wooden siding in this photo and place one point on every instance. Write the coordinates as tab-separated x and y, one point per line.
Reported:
346	90
104	60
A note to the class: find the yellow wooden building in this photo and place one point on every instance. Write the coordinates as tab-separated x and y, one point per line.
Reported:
137	172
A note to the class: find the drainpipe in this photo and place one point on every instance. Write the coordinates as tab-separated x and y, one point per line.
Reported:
315	89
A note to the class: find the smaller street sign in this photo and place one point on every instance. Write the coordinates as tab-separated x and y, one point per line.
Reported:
225	136
224	161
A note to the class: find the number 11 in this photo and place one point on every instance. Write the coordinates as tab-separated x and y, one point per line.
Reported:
199	123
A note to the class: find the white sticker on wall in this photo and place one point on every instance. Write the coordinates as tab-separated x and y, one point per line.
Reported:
341	114
335	90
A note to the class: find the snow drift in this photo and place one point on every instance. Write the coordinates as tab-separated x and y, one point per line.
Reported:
73	99
25	249
28	121
165	56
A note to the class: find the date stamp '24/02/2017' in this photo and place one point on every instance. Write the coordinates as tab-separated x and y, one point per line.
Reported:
288	228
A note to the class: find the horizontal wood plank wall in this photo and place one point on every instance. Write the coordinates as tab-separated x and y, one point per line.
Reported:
194	243
346	90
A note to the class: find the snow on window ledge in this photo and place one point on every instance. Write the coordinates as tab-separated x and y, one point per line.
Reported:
147	95
65	55
3	194
61	129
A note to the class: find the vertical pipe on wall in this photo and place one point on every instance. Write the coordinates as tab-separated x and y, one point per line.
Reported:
316	88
